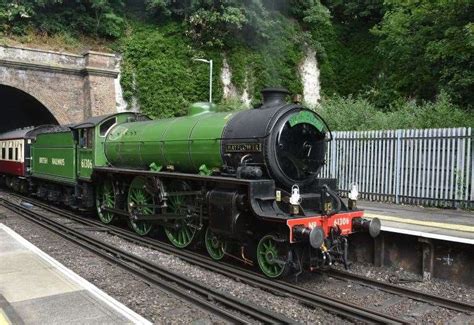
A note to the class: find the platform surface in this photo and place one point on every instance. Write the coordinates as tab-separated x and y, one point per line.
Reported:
36	289
443	224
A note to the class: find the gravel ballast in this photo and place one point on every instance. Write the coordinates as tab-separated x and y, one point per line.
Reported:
152	303
411	310
286	306
161	307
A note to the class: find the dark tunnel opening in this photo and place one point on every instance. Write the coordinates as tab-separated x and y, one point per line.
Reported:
19	109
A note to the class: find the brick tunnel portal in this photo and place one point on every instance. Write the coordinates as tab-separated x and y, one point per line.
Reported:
20	109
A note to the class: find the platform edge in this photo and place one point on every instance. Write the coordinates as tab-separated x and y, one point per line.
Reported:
95	291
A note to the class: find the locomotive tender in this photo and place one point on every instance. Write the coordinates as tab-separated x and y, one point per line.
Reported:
244	182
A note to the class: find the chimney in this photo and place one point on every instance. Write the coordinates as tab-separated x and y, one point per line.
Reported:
274	96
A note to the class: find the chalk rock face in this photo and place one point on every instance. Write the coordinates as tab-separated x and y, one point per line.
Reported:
309	72
229	90
120	102
245	98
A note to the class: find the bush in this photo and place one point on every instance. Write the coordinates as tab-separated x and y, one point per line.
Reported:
102	18
359	114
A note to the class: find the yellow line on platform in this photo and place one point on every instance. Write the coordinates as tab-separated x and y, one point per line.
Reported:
441	225
3	318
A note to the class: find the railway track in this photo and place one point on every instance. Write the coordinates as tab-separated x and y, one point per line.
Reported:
304	296
402	291
206	298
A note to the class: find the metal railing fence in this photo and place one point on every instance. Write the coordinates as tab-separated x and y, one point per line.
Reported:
426	167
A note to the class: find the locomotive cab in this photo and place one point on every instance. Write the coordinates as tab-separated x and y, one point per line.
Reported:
90	137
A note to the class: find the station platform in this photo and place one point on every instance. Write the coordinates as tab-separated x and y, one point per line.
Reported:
37	289
442	224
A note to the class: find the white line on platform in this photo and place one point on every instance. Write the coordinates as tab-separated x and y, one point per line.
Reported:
424	223
428	235
98	293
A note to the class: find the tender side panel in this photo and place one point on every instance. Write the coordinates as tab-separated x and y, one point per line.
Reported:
54	157
12	157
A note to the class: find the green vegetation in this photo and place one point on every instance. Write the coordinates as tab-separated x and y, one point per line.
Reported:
348	113
428	47
384	64
159	72
97	17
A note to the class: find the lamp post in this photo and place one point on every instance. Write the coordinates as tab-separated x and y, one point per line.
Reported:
210	76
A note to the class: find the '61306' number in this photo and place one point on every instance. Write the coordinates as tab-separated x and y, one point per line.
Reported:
86	163
341	221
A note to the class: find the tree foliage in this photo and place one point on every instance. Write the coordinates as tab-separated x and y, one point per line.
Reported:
96	17
221	23
377	54
428	47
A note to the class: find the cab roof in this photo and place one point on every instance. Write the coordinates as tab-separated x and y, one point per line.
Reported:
96	120
32	131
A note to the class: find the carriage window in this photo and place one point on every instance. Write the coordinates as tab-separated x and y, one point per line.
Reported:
106	126
16	154
10	153
4	153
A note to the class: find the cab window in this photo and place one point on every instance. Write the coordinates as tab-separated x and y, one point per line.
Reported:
86	138
105	127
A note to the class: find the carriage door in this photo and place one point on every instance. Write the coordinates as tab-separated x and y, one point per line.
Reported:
85	153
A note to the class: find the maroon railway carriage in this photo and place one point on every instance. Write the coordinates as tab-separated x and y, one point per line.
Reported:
15	155
14	151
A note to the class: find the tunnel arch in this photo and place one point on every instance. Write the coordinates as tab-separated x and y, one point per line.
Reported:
72	87
20	109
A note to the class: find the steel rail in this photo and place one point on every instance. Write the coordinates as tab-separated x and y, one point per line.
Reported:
152	273
406	292
308	297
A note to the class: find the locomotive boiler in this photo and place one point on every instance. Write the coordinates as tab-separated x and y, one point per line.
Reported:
276	140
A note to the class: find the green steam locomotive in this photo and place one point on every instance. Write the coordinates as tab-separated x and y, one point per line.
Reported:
243	184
